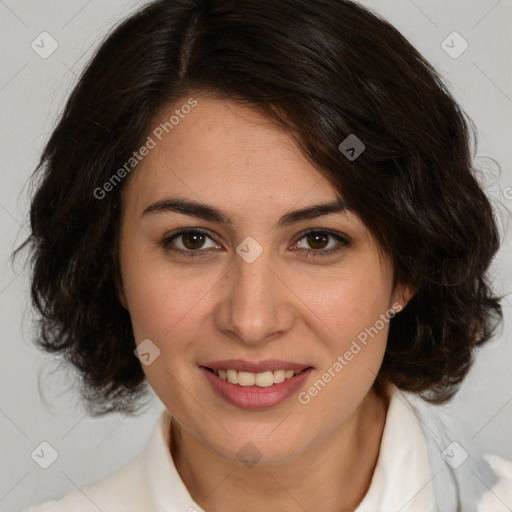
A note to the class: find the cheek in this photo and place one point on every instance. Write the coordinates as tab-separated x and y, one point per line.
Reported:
160	303
351	322
158	294
350	319
349	302
162	310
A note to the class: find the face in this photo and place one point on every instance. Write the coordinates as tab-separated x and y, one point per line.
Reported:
222	271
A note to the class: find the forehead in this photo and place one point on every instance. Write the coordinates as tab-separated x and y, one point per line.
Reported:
224	153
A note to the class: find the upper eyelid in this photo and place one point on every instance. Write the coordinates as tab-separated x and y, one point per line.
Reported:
183	231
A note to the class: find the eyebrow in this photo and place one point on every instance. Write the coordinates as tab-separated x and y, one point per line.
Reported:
210	213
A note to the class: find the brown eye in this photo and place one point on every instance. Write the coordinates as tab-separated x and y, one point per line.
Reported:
189	241
193	240
322	243
318	240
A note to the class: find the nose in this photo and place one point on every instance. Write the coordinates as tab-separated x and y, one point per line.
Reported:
256	306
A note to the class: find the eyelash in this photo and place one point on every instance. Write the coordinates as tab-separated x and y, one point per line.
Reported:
343	242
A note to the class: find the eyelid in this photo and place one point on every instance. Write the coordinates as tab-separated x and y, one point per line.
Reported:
335	234
343	241
166	240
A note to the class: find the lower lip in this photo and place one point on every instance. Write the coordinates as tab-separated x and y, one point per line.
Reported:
254	397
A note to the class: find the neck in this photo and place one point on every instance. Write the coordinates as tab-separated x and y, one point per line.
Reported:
331	476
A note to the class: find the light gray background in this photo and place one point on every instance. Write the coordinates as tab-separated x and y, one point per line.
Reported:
32	91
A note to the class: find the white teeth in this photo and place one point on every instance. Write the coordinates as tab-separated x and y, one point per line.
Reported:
262	379
279	376
246	379
232	376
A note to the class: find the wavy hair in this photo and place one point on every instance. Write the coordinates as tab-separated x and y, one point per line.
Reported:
322	70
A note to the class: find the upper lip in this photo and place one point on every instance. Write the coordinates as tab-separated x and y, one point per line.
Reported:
255	367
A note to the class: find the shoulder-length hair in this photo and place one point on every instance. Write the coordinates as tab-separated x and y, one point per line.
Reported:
322	70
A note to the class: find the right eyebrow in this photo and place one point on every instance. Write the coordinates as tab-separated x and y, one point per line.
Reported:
208	212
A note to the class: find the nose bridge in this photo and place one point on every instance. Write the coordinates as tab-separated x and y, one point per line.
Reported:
253	306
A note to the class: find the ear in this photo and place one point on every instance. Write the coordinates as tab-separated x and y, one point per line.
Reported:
402	294
120	291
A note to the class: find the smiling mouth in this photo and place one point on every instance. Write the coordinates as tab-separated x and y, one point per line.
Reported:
261	379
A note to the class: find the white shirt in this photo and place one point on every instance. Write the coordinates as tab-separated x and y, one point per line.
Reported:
402	480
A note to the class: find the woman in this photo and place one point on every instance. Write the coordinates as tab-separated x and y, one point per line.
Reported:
266	211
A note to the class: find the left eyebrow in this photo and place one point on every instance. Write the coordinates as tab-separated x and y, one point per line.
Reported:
207	212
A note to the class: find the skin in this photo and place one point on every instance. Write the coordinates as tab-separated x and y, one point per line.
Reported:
284	305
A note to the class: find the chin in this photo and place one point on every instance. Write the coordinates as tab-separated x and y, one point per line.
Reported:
260	450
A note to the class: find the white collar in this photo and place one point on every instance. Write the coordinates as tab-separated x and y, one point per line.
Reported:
167	489
401	481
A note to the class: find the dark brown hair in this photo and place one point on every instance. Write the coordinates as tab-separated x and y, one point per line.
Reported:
322	70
